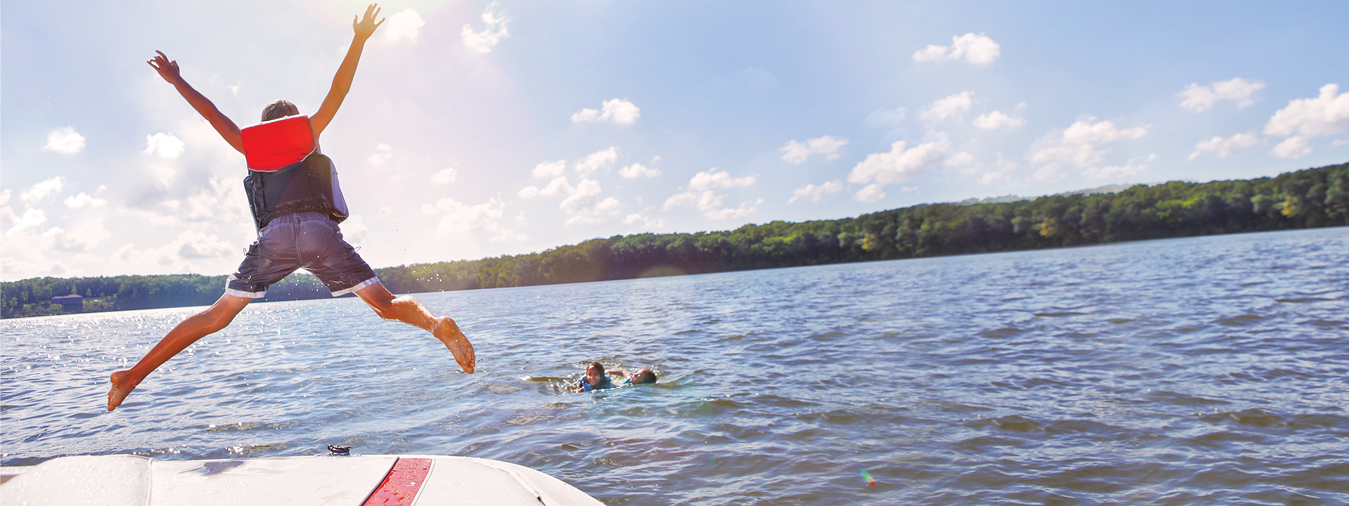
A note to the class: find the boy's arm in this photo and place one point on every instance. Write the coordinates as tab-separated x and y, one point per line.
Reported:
223	125
345	72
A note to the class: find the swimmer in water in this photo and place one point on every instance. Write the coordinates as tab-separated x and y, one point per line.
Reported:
303	222
641	376
596	378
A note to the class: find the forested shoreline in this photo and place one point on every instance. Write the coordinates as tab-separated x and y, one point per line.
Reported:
1307	198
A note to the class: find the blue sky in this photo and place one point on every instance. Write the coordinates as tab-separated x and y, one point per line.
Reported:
480	129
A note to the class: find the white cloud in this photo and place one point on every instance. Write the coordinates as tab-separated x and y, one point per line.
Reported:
32	218
457	218
193	250
205	204
1292	147
1079	146
1133	167
959	159
42	190
1000	173
1085	132
797	152
971	48
886	118
64	140
196	245
354	230
702	195
445	176
617	110
680	199
869	193
1049	173
1326	114
996	120
406	25
484	41
211	217
637	170
558	186
710	205
550	169
382	154
815	193
460	217
714	211
1200	98
84	199
585	205
712	179
1080	155
647	222
595	161
1222	148
7	217
947	107
755	79
899	164
163	145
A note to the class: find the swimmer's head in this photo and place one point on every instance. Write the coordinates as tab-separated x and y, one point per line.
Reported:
595	373
644	376
279	109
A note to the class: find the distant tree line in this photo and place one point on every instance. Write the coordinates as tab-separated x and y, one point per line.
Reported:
1302	199
31	297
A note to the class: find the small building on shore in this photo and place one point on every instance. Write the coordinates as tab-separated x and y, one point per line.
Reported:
70	303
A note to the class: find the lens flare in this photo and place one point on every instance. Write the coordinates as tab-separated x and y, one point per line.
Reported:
870	482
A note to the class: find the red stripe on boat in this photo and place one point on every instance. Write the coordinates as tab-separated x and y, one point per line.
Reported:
401	484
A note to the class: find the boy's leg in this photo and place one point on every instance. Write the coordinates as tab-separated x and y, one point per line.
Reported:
409	310
336	264
217	317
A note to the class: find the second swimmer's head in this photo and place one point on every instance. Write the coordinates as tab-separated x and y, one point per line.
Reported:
644	376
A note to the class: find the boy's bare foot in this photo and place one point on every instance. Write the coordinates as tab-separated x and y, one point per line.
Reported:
447	332
121	387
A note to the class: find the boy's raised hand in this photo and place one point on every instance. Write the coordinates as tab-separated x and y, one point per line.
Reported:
167	69
367	25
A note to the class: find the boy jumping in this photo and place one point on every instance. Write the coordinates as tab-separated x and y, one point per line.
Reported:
296	209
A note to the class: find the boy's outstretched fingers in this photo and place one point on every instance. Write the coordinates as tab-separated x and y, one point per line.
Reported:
371	13
449	334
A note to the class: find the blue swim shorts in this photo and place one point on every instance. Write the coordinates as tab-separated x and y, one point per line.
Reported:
293	241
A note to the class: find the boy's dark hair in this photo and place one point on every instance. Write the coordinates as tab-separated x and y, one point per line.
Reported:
279	109
644	376
598	365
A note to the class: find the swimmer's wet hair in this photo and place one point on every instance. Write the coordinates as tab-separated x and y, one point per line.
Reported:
597	365
279	109
644	376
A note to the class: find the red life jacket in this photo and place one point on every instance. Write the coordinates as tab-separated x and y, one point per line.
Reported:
271	145
286	174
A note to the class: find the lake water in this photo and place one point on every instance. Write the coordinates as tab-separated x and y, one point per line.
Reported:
1209	370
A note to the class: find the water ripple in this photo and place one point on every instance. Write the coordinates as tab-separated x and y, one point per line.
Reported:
1208	370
